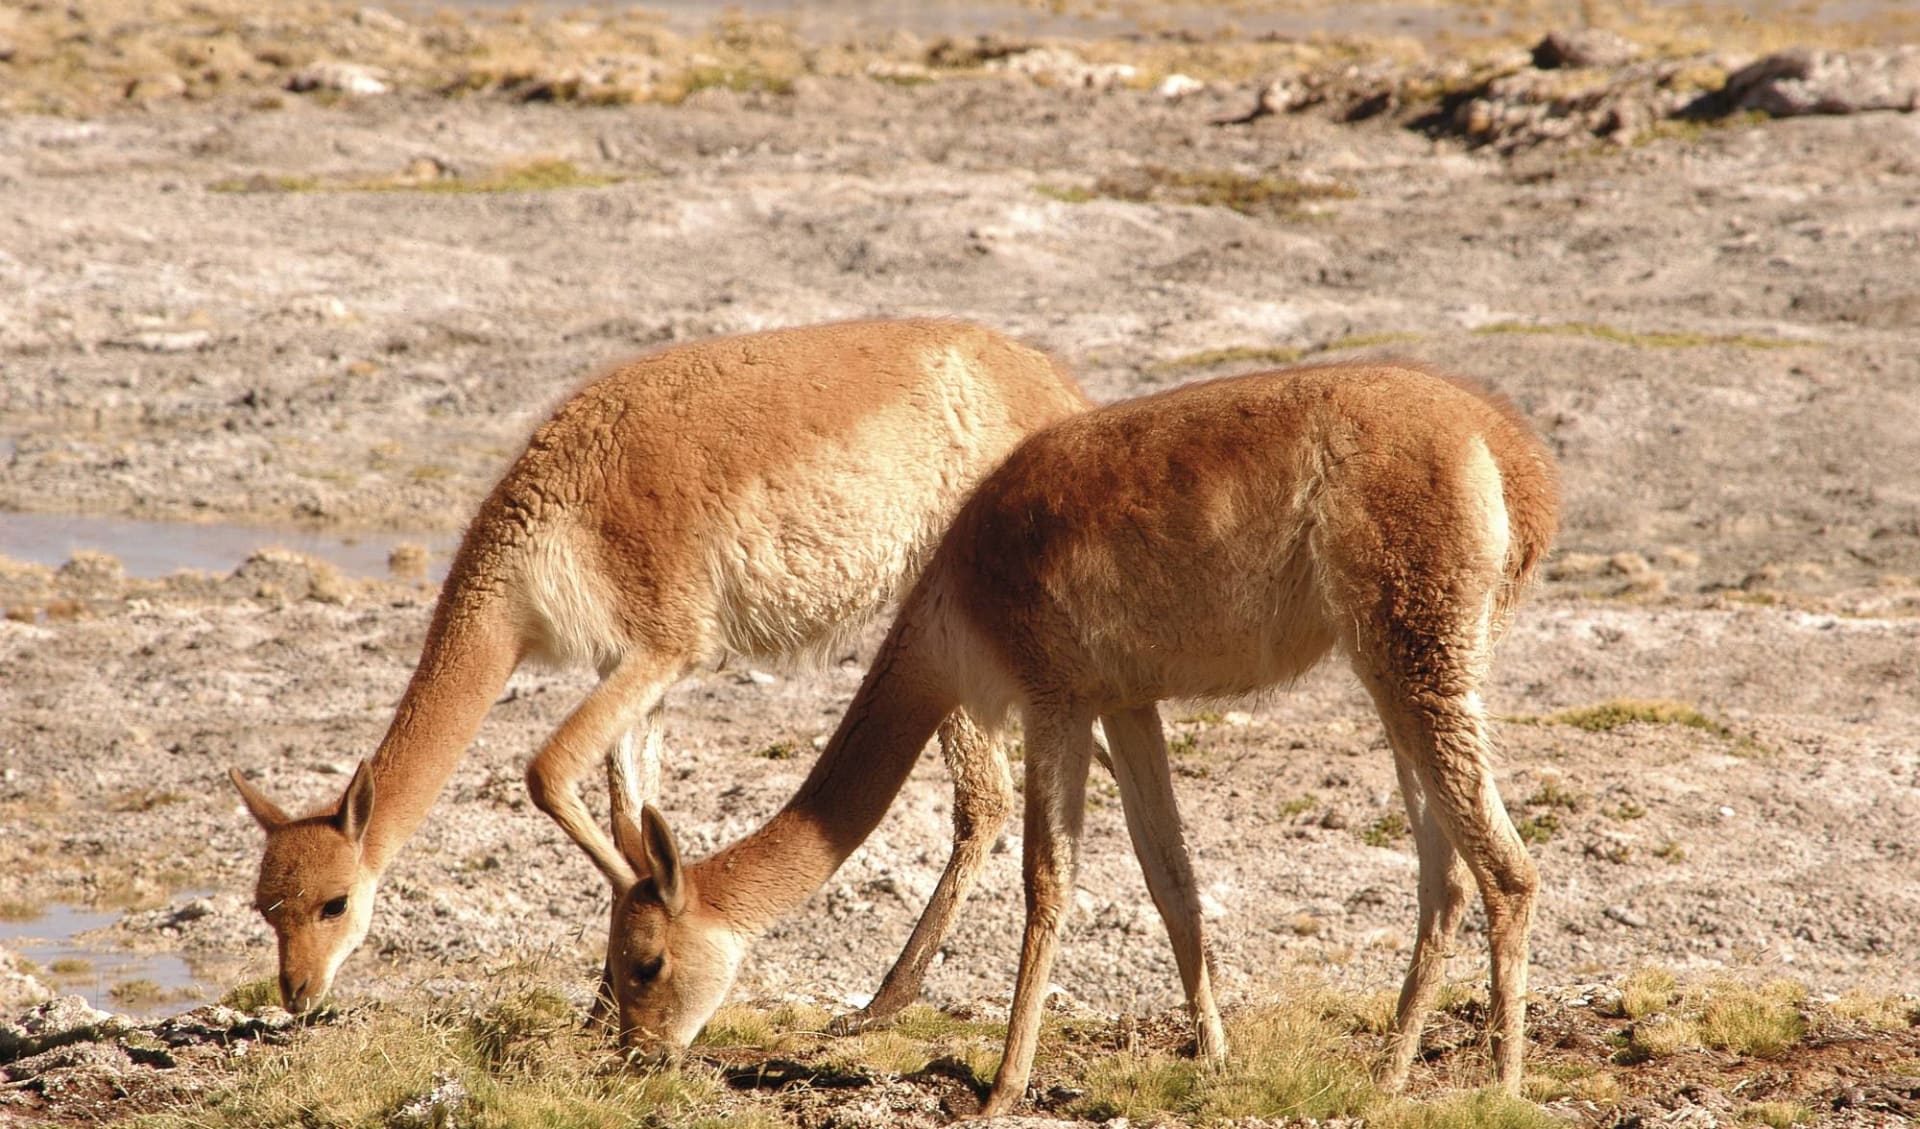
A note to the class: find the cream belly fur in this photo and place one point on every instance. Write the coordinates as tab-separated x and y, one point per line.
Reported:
1210	541
762	496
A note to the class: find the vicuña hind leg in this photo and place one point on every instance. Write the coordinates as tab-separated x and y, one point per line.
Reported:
1445	734
1061	745
982	799
1444	883
1153	821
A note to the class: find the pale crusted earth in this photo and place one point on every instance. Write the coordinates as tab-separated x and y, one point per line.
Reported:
1742	523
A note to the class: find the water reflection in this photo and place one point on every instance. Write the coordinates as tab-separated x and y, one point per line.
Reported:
150	549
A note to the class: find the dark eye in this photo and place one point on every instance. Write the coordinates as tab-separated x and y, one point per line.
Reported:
646	970
334	908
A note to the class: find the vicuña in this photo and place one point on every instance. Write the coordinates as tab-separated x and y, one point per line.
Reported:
1205	542
760	496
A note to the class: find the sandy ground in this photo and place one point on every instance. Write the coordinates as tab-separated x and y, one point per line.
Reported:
1716	330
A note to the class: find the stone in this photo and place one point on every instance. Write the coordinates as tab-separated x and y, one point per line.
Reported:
344	78
1808	81
56	1023
1588	47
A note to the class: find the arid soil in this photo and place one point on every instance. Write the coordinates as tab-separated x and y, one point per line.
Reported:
346	311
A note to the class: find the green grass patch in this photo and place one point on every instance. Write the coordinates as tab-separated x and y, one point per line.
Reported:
1639	340
1065	193
1385	831
541	175
1237	355
1299	805
1611	715
1538	828
252	995
71	966
1271	196
779	751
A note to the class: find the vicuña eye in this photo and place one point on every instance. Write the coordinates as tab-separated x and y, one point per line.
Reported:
334	908
645	970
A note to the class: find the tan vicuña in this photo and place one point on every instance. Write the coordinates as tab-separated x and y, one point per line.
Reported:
1205	542
760	496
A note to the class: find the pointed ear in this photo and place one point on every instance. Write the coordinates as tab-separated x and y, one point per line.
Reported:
356	807
633	847
662	859
265	812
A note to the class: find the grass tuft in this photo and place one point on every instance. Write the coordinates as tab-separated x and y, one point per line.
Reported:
1219	188
540	175
1639	340
253	995
1385	831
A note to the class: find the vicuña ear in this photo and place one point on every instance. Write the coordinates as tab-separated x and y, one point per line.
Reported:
633	847
652	852
356	807
265	812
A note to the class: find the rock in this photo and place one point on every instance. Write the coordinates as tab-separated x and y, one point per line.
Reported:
440	1106
1056	66
1808	81
156	87
1626	917
88	1057
56	1023
282	574
1588	47
166	340
1177	86
90	572
345	78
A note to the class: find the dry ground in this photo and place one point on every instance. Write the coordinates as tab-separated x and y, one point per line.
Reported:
226	301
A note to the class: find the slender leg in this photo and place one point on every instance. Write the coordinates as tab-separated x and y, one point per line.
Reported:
633	780
1440	720
1444	880
628	694
982	799
1059	745
1153	821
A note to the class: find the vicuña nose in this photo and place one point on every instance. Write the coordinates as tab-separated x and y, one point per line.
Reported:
293	996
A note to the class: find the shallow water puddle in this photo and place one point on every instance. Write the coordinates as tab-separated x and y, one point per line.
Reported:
143	985
152	549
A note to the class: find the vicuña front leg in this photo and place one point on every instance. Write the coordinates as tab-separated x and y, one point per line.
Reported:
622	700
982	799
1153	822
1056	792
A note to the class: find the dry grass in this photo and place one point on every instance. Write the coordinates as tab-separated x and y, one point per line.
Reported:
545	174
520	1057
1291	1060
1641	340
1250	195
1764	1021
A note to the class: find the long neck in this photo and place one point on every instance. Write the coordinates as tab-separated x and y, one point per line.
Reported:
772	871
470	651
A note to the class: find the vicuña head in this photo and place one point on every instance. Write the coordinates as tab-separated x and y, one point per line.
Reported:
1214	540
673	957
315	888
759	496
